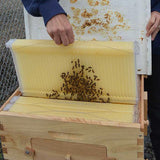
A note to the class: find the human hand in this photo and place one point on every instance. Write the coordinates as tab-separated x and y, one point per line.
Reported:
153	26
60	30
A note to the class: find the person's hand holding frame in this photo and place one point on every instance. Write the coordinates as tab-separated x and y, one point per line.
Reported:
153	26
60	30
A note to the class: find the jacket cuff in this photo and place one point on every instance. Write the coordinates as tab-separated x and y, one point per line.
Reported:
156	8
49	9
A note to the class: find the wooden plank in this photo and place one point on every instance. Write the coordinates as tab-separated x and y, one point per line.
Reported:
59	150
74	109
75	120
142	103
121	142
16	93
145	112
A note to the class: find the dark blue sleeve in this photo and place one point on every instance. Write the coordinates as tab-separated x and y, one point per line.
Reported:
156	7
45	8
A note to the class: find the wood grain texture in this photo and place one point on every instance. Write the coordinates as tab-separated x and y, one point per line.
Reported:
142	103
19	130
60	150
74	109
74	120
16	93
145	112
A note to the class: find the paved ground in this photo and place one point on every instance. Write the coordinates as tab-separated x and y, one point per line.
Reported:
12	26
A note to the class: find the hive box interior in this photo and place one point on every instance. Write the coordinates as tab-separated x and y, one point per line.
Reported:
89	80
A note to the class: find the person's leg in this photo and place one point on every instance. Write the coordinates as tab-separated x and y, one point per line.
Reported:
154	104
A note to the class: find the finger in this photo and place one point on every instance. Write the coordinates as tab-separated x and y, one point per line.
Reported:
70	35
150	23
64	38
153	28
57	38
50	34
154	34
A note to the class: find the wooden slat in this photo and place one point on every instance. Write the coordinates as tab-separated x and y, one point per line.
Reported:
51	149
142	103
75	120
16	93
145	112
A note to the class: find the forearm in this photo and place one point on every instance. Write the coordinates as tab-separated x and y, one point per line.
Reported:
45	8
156	7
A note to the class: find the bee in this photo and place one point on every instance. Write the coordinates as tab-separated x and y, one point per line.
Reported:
71	61
78	60
108	94
98	79
108	100
101	100
95	77
53	94
73	68
93	71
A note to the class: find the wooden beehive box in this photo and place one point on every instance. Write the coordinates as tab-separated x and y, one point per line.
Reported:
33	127
33	137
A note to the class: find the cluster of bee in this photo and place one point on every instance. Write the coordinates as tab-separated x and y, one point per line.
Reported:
80	84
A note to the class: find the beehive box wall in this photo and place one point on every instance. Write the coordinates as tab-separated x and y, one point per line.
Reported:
17	132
